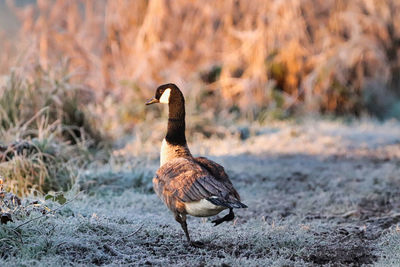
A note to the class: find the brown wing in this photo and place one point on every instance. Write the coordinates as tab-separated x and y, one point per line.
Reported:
218	172
187	180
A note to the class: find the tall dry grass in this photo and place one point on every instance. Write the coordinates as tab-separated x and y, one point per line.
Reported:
313	55
46	131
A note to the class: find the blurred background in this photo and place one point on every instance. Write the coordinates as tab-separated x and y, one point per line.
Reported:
254	60
82	70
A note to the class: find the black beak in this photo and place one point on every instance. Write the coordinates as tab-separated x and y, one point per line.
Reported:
152	101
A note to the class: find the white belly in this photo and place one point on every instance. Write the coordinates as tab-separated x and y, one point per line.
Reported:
202	208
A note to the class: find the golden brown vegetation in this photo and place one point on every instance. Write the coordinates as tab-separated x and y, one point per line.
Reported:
45	132
329	55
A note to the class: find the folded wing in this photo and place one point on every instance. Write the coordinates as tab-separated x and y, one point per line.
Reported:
194	179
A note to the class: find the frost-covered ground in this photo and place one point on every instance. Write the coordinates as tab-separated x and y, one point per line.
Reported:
318	193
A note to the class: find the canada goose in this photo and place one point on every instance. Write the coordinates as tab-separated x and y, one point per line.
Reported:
187	185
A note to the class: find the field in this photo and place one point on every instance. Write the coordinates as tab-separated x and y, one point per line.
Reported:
319	192
298	100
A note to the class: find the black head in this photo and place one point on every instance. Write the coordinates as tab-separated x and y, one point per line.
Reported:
165	93
171	95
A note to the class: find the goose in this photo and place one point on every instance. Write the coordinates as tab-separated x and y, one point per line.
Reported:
187	185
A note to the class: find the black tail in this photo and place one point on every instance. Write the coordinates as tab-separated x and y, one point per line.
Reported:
224	203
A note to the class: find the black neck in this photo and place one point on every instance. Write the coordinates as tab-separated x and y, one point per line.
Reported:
176	121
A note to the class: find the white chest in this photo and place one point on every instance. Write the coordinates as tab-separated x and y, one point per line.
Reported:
169	152
165	152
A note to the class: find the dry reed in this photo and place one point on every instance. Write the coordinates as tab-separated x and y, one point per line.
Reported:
321	55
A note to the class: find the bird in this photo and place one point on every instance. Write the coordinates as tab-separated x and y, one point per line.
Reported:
189	185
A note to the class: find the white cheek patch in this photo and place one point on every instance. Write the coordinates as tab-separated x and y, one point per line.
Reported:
165	96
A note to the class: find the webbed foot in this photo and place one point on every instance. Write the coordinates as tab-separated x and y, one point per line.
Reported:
229	217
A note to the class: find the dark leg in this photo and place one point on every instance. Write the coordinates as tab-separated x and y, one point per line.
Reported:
229	217
182	220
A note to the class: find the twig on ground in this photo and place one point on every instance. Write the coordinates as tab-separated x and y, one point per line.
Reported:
131	234
350	213
114	251
44	215
137	230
